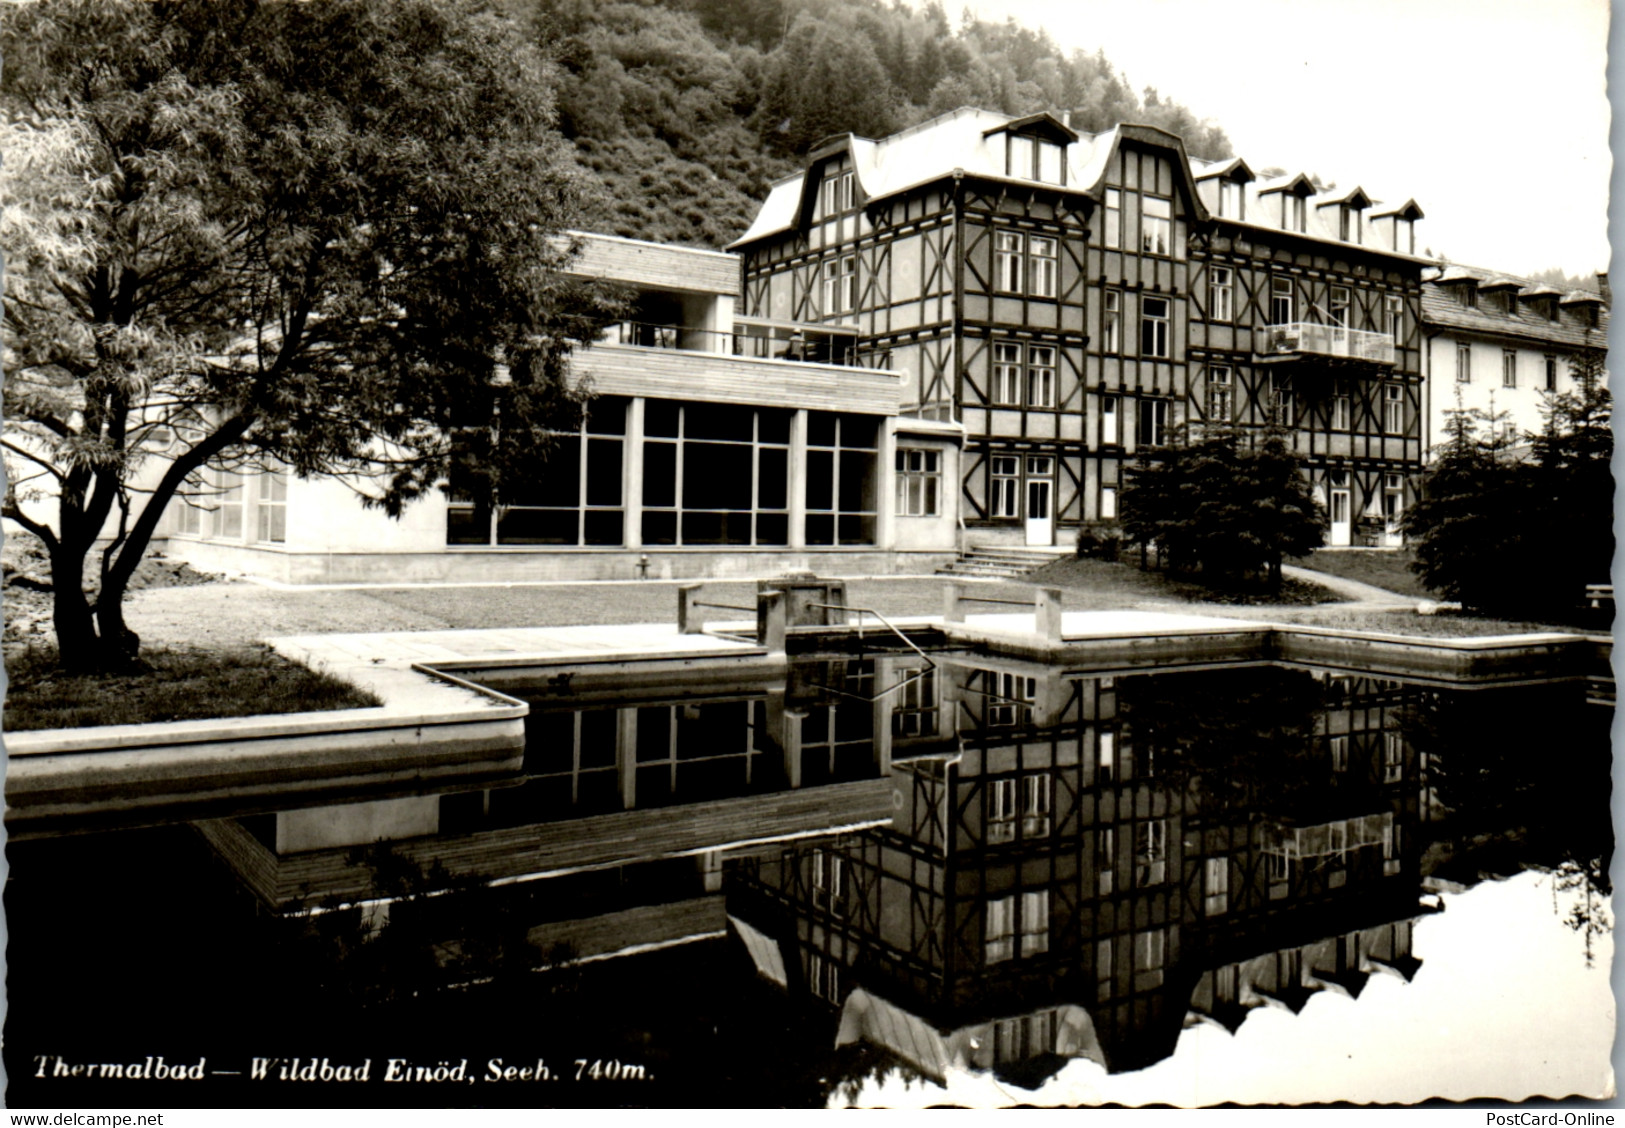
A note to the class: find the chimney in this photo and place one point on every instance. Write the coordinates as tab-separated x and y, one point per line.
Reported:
1602	284
1066	118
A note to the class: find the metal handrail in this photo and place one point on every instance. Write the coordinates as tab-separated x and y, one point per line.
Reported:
887	623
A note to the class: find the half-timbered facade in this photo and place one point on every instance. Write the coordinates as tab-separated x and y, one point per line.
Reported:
1070	300
1068	884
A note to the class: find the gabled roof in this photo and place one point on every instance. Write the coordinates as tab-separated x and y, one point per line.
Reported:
1296	183
1044	124
1442	309
1354	198
1500	282
1235	169
1407	210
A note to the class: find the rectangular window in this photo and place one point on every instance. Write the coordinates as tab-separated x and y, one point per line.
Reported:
1282	305
1153	423
1393	409
271	510
1040	376
999	930
1010	697
1154	327
1340	306
1218	393
919	482
1393	499
1551	374
1296	213
1007	267
1150	852
1114	217
1006	486
1393	757
829	882
1221	295
1001	811
1111	431
1348	224
1393	313
1390	849
228	514
1108	503
1342	404
1105	859
1035	797
1106	758
840	285
1051	163
1156	225
1509	368
1040	267
1283	404
1404	236
1338	746
1464	364
823	977
1007	374
1022	157
1035	922
1111	328
1149	950
1216	886
1230	205
914	711
838	194
843	478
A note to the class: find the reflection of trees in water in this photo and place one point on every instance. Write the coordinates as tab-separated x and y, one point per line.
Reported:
1520	778
1588	913
1234	738
420	932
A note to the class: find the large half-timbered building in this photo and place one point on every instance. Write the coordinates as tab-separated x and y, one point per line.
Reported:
1069	300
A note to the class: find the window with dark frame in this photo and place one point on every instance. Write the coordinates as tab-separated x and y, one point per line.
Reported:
1111	328
1152	422
919	482
1041	266
1509	368
1111	431
1221	295
1113	235
1282	304
1551	374
1218	393
1156	225
1464	364
1393	409
1154	327
1007	261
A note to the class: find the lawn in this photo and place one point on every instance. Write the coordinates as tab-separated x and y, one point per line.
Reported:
1389	569
179	684
1100	585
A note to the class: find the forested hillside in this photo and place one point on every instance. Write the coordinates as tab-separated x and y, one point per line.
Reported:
686	110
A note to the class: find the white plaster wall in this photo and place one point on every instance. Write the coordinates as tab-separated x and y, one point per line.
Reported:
356	824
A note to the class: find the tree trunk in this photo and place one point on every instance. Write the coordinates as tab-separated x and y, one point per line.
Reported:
76	642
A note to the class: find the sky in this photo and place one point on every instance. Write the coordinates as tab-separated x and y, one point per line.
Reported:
1492	115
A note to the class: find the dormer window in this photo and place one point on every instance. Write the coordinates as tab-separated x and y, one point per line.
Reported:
1469	296
1033	158
1405	239
1231	198
1156	225
1294	215
839	193
1512	302
1348	224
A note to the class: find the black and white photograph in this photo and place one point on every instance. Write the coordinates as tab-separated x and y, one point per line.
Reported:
703	554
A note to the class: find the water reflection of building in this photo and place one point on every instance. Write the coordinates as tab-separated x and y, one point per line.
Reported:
1089	872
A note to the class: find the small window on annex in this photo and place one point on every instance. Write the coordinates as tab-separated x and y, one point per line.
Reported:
919	482
575	496
715	474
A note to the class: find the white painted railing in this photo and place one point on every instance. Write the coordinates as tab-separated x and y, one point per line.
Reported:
1325	340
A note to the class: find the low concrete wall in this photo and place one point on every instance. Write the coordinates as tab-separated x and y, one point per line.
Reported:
66	781
524	565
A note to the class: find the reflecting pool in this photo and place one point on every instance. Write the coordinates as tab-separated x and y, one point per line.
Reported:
884	879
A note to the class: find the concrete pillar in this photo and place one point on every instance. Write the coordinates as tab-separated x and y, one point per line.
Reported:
1048	614
626	756
792	745
953	611
774	620
711	870
886	487
887	675
690	619
798	480
632	475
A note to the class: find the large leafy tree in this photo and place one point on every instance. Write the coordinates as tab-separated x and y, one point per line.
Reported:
1223	503
321	234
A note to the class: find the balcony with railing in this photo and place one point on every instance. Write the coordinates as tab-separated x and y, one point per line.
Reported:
789	364
1306	339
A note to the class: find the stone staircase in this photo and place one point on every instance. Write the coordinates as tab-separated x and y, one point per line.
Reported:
1001	562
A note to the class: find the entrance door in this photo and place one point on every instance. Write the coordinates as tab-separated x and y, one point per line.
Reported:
1040	511
1342	510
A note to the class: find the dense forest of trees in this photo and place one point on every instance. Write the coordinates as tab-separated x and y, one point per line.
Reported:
685	111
